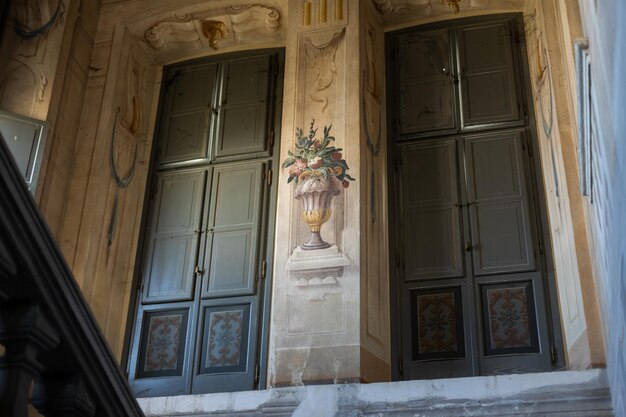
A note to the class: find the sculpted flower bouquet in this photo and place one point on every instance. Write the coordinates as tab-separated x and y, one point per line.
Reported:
315	157
319	173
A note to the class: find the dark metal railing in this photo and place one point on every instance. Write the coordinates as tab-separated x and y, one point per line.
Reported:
52	352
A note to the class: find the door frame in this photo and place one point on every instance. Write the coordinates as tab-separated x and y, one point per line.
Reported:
268	215
538	197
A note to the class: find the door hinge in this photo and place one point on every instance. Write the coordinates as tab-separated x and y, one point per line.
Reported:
271	139
553	354
541	248
257	374
268	177
263	269
140	285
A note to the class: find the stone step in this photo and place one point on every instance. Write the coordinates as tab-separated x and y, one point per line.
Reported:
566	393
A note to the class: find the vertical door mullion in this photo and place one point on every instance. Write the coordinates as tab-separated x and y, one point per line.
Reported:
470	305
201	277
458	79
215	113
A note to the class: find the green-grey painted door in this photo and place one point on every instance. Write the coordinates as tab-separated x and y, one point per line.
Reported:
231	268
470	276
198	321
471	290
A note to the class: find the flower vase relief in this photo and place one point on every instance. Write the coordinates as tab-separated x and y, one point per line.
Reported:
319	174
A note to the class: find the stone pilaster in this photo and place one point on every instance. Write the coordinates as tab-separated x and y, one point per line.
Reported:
315	329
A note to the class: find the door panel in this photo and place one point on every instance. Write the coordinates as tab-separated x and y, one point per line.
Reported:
427	97
432	216
499	209
513	320
225	356
233	229
437	336
488	79
207	238
469	280
174	236
243	110
187	114
164	342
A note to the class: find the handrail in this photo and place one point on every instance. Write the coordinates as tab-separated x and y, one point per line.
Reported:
48	331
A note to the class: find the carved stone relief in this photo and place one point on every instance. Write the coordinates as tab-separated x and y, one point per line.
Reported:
320	54
213	28
24	77
214	31
250	21
396	11
175	30
127	132
324	13
43	83
372	110
18	88
397	7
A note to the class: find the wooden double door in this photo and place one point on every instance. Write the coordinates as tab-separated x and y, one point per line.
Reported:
206	247
470	272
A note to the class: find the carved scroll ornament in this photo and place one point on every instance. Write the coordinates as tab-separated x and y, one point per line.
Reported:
321	58
178	29
215	27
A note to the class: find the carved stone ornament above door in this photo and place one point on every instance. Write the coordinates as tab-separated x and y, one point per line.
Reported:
397	11
168	35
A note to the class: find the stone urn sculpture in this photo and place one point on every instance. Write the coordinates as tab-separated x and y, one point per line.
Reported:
316	193
319	173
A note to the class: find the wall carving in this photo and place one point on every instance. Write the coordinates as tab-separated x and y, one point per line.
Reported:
397	7
25	76
214	31
127	131
395	11
248	21
18	88
178	29
320	55
214	28
372	110
323	13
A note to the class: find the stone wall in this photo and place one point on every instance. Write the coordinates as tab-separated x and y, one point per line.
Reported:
605	26
315	327
43	77
95	77
375	285
551	72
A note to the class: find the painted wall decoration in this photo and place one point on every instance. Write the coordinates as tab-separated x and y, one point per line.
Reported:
319	173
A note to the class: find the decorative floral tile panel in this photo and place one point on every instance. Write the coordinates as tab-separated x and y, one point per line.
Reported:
224	347
437	323
508	318
163	342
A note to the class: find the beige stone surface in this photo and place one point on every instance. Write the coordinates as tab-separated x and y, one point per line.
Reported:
315	330
82	78
551	75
